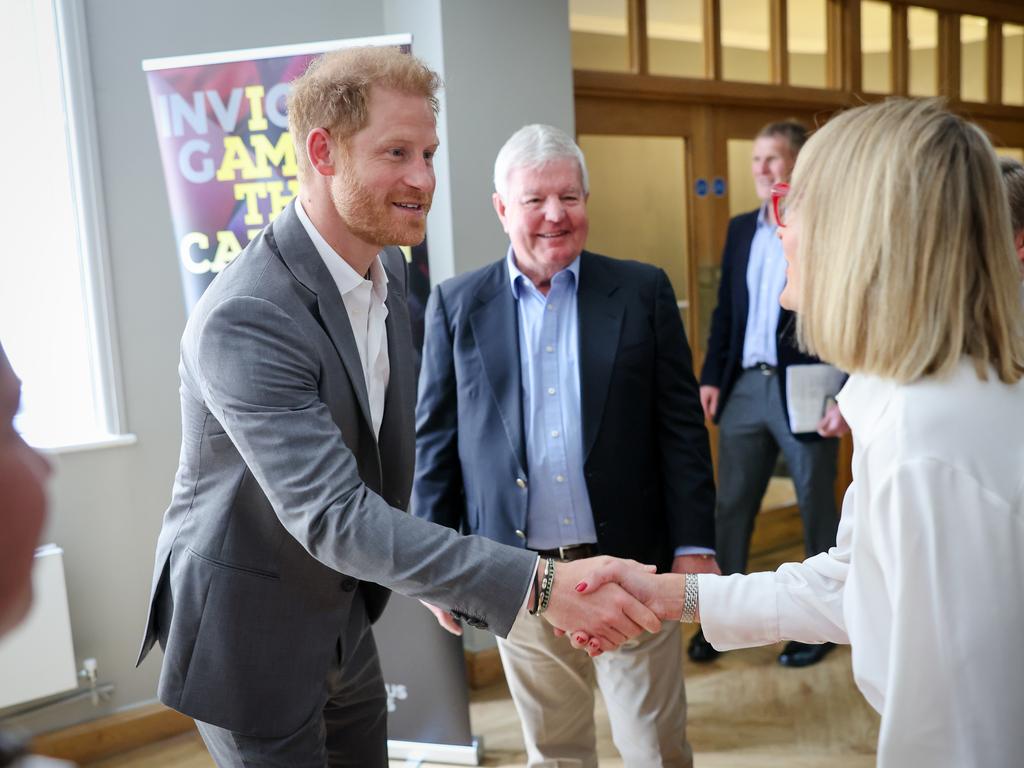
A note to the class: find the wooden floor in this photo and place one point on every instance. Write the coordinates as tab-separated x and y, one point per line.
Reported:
745	711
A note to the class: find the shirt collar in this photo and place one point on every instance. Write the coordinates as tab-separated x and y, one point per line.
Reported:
863	400
764	216
514	272
346	278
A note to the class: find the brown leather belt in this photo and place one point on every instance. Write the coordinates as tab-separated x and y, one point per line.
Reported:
575	552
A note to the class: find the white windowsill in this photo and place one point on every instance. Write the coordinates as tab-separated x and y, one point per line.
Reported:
100	443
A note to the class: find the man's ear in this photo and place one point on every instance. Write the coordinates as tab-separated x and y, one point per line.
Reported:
320	151
499	208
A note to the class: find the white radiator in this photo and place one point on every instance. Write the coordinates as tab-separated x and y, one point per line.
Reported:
37	658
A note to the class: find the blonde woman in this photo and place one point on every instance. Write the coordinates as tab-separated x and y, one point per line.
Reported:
901	265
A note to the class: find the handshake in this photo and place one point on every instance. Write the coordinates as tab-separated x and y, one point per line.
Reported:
601	602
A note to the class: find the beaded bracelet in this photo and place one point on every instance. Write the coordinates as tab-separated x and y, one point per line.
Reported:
544	596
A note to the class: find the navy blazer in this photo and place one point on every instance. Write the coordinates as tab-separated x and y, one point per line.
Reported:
647	463
723	362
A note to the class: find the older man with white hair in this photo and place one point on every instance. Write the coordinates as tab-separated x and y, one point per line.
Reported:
558	412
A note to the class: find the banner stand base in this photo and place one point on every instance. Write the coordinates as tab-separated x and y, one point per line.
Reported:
416	752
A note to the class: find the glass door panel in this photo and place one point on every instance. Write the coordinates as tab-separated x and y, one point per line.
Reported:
637	207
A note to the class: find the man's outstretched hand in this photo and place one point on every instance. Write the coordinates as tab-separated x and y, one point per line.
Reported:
662	594
605	617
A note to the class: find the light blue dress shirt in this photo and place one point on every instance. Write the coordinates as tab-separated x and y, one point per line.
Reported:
766	277
558	511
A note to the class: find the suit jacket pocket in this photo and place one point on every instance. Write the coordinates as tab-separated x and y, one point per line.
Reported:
234	567
251	650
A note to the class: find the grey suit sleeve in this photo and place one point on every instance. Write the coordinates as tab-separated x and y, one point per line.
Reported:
437	491
260	380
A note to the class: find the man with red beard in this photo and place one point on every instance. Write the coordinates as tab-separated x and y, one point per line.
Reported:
285	529
558	412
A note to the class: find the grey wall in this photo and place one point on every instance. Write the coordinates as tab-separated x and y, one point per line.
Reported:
505	64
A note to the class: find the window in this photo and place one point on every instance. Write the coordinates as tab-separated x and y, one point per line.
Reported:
598	30
54	323
876	46
973	61
923	29
745	41
807	38
675	38
1013	64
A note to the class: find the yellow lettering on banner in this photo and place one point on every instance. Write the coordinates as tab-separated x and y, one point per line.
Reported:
254	191
236	158
280	155
251	191
228	248
257	122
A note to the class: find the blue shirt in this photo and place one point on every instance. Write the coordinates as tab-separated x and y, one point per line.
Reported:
766	277
558	511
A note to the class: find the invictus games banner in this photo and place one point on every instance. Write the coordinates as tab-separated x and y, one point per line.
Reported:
229	166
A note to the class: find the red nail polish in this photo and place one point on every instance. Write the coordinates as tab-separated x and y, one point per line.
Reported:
581	586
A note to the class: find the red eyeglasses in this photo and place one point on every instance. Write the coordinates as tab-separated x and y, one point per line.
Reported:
779	192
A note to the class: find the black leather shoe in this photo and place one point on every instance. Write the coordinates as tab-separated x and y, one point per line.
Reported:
700	649
803	654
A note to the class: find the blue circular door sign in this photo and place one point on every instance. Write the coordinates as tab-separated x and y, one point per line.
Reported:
701	187
718	185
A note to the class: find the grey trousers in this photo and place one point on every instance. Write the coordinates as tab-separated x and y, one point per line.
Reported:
752	430
348	731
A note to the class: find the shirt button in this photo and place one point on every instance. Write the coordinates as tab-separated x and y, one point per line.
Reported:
555	433
566	521
559	479
549	348
550	307
551	390
520	482
521	534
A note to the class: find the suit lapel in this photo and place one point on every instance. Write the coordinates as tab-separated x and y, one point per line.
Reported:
495	325
740	273
399	359
600	323
302	259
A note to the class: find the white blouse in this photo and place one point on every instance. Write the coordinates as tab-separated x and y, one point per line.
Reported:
926	581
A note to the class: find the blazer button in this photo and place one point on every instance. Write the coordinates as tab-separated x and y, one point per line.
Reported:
520	482
521	534
349	585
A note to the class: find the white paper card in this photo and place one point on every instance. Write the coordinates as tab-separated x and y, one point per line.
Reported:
809	390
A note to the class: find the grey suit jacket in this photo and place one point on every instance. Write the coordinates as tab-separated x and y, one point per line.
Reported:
284	503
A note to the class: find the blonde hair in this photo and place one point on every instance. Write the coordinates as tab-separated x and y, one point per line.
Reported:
334	91
905	252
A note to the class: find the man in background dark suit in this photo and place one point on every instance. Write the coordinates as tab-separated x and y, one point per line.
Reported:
743	387
558	412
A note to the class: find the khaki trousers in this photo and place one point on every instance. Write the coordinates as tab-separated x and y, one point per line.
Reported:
552	687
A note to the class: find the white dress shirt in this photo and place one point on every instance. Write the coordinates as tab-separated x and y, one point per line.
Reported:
926	581
364	302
